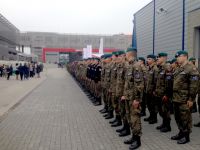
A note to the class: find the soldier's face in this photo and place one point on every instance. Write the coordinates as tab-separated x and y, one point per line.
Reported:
150	61
129	55
161	60
140	62
181	59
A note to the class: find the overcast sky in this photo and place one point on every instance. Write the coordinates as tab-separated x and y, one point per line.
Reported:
72	16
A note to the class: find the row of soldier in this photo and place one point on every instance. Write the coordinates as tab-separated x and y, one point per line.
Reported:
127	84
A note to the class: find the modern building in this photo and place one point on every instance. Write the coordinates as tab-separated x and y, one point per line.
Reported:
48	46
9	39
168	26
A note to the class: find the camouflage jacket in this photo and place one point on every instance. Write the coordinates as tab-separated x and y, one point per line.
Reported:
151	78
160	89
120	79
107	75
113	77
185	84
134	81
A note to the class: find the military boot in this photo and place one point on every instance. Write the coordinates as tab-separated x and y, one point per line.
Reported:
113	121
161	126
98	102
123	128
118	122
167	127
185	139
136	143
130	141
178	136
147	119
104	110
126	131
153	119
110	115
197	124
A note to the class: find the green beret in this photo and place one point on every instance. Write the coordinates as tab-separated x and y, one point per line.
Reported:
173	60
162	54
181	52
114	53
151	56
192	59
107	56
141	58
102	56
131	49
121	52
168	62
96	59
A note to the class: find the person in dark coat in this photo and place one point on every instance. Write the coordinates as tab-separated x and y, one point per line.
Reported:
21	71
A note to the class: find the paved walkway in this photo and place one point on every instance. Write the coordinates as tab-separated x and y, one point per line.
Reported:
58	116
12	91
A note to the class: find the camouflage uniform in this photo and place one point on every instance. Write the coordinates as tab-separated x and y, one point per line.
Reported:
138	89
185	88
120	88
162	103
107	86
150	87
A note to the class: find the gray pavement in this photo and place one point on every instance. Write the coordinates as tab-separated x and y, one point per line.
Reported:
58	116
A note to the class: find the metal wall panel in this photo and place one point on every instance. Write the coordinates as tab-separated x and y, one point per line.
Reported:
144	30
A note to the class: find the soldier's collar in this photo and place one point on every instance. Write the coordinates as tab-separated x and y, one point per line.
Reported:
185	63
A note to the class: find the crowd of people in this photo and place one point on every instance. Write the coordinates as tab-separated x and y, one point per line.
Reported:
22	71
128	86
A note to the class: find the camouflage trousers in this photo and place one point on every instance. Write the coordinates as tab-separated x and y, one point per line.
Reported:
136	125
128	104
183	117
97	89
116	104
104	94
133	117
122	109
163	108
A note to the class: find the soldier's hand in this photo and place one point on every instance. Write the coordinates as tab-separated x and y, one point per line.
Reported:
190	104
165	99
136	104
123	98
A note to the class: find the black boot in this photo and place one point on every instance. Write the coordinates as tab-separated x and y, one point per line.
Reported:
135	144
130	141
197	124
147	119
153	120
167	127
118	122
104	108
185	139
123	128
178	136
113	121
143	113
161	126
126	131
110	115
98	102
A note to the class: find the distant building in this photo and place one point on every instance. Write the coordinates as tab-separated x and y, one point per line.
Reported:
9	40
48	45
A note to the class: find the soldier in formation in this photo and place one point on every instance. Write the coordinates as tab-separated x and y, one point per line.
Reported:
127	85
